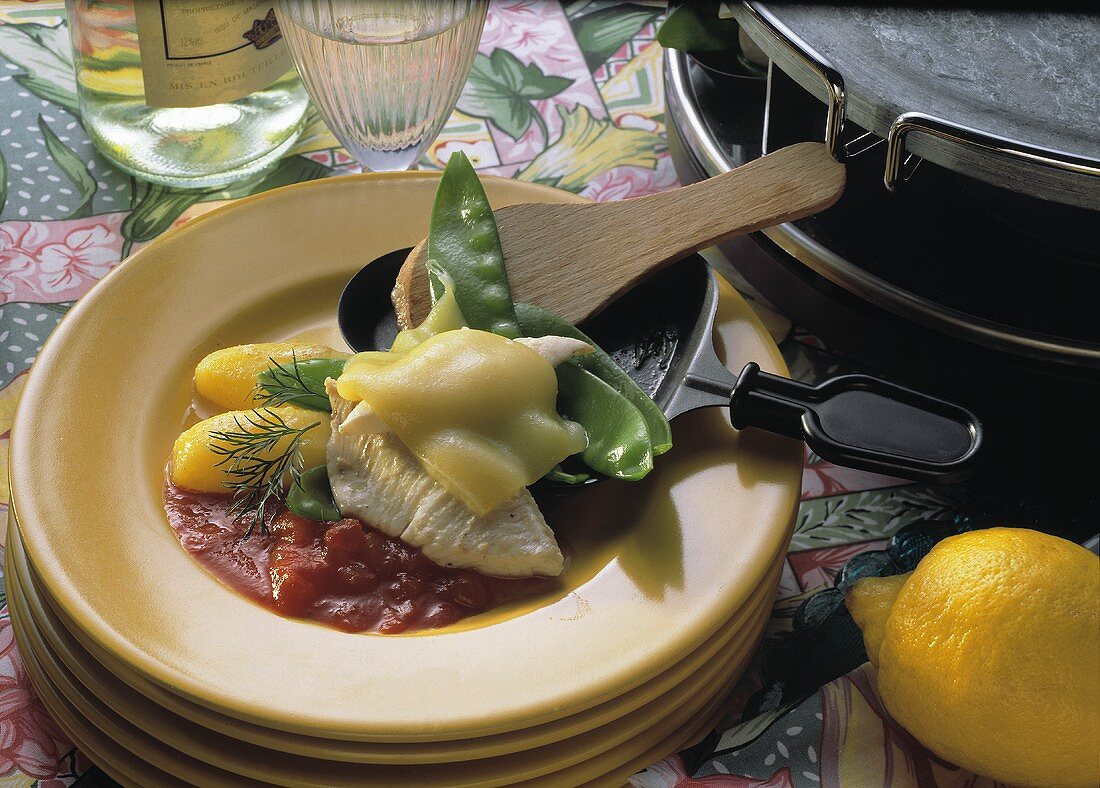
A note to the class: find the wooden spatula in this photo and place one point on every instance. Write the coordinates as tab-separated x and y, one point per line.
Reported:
575	259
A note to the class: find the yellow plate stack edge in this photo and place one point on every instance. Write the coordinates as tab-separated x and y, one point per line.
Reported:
167	677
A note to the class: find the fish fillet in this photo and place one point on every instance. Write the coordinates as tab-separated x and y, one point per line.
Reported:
375	478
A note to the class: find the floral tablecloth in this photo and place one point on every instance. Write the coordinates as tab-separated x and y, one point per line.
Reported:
806	713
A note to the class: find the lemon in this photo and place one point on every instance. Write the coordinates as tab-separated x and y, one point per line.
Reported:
989	653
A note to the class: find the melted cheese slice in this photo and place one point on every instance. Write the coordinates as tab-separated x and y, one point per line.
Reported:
478	411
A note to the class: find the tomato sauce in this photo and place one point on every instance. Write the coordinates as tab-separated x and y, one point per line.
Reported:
344	574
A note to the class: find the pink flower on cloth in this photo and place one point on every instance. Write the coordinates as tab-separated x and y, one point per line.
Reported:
82	258
29	739
526	29
623	182
670	773
16	262
821	479
818	568
58	260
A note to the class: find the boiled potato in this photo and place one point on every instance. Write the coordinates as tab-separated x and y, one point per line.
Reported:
227	377
195	466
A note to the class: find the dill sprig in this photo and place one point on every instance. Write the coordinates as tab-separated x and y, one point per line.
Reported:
281	384
258	463
300	383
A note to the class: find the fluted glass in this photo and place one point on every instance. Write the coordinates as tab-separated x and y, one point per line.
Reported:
384	74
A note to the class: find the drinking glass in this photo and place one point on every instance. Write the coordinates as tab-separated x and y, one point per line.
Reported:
384	74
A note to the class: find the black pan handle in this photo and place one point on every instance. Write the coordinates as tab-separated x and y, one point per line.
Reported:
863	422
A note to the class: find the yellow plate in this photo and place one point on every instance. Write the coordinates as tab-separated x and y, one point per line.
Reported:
660	564
233	756
145	704
603	775
76	710
95	693
131	770
122	766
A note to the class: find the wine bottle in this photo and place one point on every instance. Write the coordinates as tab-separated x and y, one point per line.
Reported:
188	93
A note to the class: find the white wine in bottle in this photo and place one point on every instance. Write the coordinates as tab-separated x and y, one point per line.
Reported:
187	93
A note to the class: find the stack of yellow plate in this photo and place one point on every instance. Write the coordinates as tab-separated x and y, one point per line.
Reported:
165	676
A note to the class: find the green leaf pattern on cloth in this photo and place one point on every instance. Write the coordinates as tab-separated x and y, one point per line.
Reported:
72	166
697	27
603	30
501	89
869	515
44	57
157	207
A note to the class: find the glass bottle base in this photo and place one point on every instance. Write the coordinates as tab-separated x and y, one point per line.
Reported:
208	180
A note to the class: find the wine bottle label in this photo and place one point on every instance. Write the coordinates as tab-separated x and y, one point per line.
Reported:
200	52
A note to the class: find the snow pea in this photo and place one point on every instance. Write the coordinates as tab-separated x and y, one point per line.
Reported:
463	241
561	476
618	440
537	322
311	496
625	428
300	383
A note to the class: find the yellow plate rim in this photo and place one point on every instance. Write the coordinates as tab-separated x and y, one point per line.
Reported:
138	743
745	632
259	763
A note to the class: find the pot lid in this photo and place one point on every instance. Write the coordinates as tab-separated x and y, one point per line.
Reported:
1009	96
